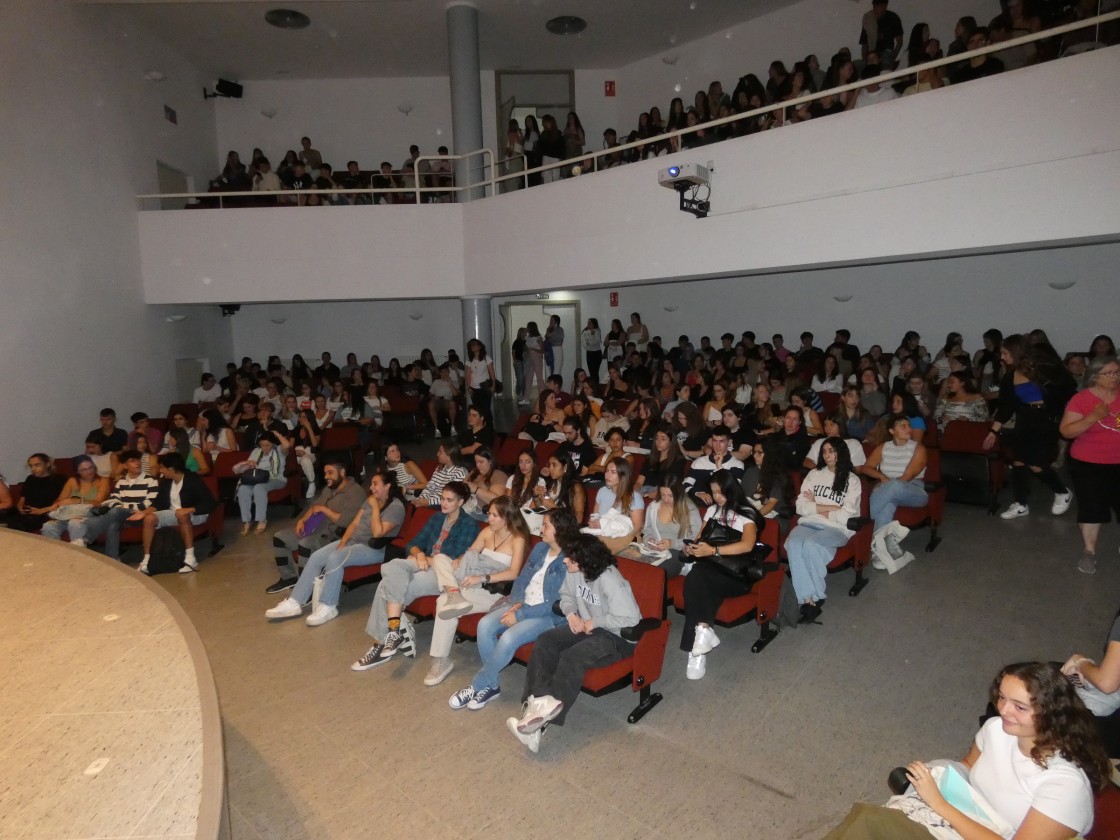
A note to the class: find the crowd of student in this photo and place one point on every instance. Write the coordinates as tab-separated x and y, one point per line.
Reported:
883	47
686	452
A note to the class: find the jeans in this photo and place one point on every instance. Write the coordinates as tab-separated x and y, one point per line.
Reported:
497	643
519	378
889	496
402	582
561	658
329	561
109	524
811	547
249	495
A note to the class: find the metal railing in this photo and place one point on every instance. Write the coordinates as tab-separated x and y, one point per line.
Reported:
493	181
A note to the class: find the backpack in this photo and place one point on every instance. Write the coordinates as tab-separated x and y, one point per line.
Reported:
168	552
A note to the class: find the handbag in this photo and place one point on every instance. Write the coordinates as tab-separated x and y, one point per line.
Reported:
68	512
252	477
749	567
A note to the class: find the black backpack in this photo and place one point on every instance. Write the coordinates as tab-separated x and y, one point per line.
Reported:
168	552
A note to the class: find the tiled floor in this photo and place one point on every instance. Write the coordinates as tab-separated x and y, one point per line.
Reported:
770	745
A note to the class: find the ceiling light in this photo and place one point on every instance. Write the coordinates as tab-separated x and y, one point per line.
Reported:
287	19
566	25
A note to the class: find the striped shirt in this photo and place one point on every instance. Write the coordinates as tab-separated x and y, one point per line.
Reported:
440	479
897	458
134	493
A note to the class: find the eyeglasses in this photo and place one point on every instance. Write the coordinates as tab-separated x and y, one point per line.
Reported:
1109	373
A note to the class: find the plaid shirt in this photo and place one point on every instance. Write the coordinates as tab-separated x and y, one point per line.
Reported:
458	540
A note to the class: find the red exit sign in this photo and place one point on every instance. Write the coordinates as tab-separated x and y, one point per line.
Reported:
608	88
614	298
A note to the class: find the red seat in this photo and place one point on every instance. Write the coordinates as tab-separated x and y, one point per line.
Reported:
213	526
343	436
829	401
64	466
414	520
967	437
508	452
762	601
545	450
931	437
1106	814
932	513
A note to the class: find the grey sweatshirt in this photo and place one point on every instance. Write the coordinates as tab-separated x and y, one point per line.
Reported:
608	600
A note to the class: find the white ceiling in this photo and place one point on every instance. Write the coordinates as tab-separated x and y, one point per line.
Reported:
382	38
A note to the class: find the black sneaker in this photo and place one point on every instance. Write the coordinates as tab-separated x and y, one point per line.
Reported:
394	640
370	659
282	585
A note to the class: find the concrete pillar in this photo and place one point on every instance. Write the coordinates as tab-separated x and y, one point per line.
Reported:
477	323
466	93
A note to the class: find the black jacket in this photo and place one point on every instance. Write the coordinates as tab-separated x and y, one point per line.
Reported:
194	494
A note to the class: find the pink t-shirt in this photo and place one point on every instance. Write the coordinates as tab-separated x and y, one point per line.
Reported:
1100	443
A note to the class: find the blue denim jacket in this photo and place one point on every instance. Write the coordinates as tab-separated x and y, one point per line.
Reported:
553	579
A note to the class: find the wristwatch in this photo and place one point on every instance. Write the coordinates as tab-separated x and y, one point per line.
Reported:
486	580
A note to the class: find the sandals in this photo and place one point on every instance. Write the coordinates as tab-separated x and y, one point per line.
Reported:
245	529
261	526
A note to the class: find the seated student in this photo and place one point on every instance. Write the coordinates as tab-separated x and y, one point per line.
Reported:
598	603
555	383
904	403
742	437
305	440
133	493
41	489
214	433
791	440
371	412
560	487
486	482
477	435
525	480
108	435
265	422
183	501
835	427
444	399
208	390
706	585
548	420
829	497
670	519
1098	686
407	578
1036	764
640	432
331	511
449	467
379	519
960	399
522	616
142	427
495	557
898	465
85	488
720	458
106	463
576	447
664	459
414	385
266	457
618	494
193	457
858	421
179	421
766	481
810	404
689	429
615	441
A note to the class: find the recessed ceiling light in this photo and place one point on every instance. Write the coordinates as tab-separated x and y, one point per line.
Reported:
287	19
566	25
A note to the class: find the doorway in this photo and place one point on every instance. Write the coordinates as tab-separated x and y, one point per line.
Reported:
188	375
171	180
517	314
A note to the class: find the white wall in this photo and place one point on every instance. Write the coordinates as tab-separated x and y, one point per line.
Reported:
75	333
364	327
789	35
965	294
346	119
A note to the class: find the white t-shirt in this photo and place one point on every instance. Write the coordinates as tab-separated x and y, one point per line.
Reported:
859	457
175	499
441	390
1014	784
480	372
736	520
207	394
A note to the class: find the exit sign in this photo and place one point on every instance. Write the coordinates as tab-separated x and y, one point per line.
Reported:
542	296
614	298
608	88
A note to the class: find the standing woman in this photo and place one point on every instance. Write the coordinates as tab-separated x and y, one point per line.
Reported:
986	364
1092	421
706	585
1034	441
592	340
830	496
534	360
615	343
554	335
551	148
638	333
480	376
574	139
530	137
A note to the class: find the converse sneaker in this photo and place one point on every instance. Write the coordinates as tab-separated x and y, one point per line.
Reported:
321	615
282	585
482	697
393	641
541	712
189	565
878	550
461	699
532	740
697	666
454	605
1015	511
288	608
1061	503
441	668
370	659
706	641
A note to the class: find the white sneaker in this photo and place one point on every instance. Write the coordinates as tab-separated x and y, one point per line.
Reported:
1015	511
143	569
539	712
78	543
899	530
697	667
705	642
189	565
1061	503
288	608
310	494
532	740
438	434
321	615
